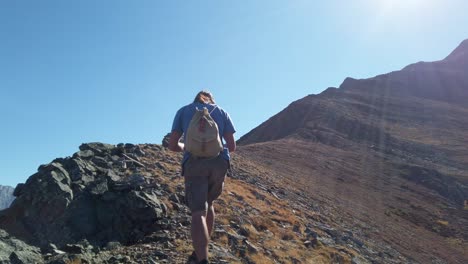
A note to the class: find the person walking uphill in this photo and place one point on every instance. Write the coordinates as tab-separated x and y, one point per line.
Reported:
205	163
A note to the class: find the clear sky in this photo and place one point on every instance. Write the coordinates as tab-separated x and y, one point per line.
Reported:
117	71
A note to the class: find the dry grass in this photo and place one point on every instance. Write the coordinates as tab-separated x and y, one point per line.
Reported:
442	222
74	261
267	223
266	218
369	188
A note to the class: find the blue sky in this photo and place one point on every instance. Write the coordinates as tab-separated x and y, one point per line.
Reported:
117	71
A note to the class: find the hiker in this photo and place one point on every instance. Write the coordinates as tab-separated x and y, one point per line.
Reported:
205	163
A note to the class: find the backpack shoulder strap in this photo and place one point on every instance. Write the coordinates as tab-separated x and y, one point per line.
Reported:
212	110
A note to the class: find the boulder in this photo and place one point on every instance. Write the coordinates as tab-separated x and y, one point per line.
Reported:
86	196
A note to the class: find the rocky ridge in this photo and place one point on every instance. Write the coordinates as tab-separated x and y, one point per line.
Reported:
124	204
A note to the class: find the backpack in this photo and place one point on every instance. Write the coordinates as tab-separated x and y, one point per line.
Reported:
202	139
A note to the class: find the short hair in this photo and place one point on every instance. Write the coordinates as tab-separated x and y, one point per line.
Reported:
204	97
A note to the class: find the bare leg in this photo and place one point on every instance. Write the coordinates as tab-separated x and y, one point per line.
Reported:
210	218
200	235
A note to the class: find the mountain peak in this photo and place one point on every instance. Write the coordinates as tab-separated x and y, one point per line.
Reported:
440	81
460	53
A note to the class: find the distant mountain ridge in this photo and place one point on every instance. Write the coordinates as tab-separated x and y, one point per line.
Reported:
6	196
444	81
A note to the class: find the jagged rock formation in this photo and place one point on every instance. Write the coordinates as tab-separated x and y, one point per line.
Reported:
87	196
82	207
6	196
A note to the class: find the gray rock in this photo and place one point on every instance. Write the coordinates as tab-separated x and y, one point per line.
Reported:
13	250
99	188
97	147
100	162
81	170
74	198
112	245
112	176
129	146
359	260
138	151
235	239
84	154
251	247
44	198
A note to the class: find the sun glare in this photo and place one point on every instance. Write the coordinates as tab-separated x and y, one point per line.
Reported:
402	7
401	4
402	15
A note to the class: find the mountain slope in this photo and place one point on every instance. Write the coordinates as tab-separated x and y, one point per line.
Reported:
6	196
389	152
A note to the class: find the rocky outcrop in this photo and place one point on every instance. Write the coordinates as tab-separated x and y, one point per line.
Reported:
92	195
444	185
104	204
6	196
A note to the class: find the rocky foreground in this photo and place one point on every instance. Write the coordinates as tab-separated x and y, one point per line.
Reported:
124	204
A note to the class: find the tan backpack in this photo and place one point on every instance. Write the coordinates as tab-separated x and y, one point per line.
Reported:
202	139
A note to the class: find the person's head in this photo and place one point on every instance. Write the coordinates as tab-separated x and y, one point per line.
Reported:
204	97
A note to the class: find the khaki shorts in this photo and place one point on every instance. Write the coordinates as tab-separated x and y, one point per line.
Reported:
204	181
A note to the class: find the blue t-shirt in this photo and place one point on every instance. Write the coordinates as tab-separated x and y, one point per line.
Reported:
221	117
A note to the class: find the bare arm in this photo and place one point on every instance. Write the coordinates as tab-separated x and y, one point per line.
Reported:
230	142
174	143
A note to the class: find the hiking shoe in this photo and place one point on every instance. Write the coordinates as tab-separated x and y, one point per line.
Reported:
192	259
204	262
